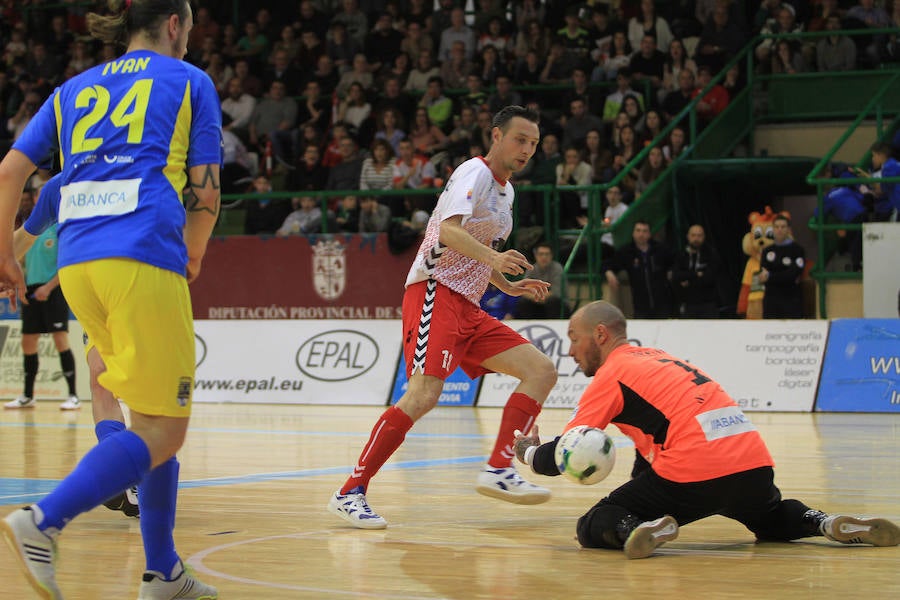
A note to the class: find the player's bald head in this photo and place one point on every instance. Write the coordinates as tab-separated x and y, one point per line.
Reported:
601	313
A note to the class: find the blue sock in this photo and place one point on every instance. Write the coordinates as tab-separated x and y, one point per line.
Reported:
106	428
117	463
157	498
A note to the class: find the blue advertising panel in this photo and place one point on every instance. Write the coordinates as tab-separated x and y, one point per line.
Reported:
861	372
459	390
6	311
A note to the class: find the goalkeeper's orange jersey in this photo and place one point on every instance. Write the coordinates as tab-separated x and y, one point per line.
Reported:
685	425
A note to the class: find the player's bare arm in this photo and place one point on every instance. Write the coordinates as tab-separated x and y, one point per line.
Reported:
453	235
14	171
22	243
202	200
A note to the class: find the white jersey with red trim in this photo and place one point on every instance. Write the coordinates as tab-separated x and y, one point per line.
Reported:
486	208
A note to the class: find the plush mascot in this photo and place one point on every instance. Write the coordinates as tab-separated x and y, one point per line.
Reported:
750	301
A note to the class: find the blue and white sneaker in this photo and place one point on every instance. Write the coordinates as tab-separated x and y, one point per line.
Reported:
354	509
35	550
506	484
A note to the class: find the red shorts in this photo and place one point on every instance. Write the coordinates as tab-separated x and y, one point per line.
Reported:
443	330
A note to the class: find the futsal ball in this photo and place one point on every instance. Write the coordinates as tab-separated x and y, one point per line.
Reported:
585	455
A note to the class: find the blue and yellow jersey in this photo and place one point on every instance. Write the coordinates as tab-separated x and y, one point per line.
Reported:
46	211
127	130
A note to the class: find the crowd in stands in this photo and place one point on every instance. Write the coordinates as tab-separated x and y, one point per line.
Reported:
393	94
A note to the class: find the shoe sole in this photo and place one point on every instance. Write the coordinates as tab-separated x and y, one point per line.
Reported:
368	524
10	536
494	492
875	532
649	536
70	407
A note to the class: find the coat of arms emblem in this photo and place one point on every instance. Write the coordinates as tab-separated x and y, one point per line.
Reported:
329	269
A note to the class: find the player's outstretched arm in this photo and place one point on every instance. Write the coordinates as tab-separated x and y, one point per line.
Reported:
202	200
537	289
511	262
540	457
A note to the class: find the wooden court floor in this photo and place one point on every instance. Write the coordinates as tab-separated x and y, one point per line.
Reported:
256	480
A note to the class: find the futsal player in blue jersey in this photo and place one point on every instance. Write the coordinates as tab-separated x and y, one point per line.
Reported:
105	409
133	134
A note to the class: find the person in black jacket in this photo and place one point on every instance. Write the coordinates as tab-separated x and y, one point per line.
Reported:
694	277
648	264
782	265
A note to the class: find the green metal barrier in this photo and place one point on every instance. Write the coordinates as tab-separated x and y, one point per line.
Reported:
885	99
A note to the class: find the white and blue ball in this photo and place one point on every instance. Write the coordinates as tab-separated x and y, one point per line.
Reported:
586	455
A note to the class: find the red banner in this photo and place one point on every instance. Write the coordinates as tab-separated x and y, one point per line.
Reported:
301	277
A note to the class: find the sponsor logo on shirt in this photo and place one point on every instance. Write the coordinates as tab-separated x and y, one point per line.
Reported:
118	159
724	422
86	199
184	390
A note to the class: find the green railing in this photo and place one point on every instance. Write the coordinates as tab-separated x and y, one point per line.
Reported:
874	107
873	94
821	95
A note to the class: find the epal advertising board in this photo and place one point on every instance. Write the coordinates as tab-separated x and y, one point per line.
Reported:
296	362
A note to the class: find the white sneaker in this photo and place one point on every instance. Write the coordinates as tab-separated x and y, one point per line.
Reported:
506	484
852	530
354	509
20	402
71	404
35	551
648	536
186	586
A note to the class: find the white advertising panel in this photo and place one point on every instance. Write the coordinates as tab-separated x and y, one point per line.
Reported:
296	362
881	277
49	383
764	365
552	339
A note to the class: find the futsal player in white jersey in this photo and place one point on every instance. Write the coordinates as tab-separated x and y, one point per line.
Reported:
444	327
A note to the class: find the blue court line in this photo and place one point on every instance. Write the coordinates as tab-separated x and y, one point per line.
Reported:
461	436
15	490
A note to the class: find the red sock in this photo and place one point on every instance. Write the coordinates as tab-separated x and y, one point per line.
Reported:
519	413
387	435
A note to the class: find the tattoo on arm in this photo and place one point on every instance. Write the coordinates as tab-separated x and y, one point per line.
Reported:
192	202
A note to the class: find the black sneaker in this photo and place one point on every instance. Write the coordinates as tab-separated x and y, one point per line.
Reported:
127	502
647	536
